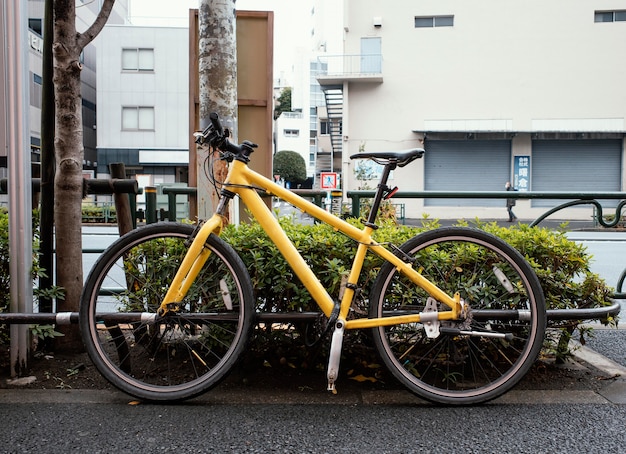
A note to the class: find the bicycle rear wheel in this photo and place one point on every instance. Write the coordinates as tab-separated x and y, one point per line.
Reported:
472	360
177	356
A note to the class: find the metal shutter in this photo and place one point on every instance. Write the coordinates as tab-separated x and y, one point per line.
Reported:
575	165
467	165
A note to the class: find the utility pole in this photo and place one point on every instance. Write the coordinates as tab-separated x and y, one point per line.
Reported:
14	24
218	87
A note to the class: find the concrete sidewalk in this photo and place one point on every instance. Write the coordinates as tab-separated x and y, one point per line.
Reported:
609	387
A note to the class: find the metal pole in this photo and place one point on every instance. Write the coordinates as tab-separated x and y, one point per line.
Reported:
151	204
19	172
46	224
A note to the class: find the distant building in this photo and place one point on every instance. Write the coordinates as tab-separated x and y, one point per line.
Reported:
85	15
531	92
143	102
292	133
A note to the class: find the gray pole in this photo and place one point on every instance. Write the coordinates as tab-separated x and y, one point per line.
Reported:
19	172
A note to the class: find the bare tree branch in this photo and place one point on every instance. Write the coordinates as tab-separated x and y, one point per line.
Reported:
103	16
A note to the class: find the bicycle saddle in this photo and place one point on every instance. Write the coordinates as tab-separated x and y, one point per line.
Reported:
400	158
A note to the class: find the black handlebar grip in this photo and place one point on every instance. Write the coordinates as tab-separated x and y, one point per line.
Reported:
217	124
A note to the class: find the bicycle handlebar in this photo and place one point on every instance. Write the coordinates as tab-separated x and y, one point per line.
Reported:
217	137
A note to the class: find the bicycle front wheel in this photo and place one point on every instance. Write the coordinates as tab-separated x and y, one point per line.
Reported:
189	350
475	359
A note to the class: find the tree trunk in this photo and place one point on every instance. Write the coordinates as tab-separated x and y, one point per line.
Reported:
69	152
218	87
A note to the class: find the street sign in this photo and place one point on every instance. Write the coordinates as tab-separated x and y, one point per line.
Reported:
328	180
521	173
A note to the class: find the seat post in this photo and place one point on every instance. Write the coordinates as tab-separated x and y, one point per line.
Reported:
380	192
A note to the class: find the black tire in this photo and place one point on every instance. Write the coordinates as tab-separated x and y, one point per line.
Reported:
456	368
174	357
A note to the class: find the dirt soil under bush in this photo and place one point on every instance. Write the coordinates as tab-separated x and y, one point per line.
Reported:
76	371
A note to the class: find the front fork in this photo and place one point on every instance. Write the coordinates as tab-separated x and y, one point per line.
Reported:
195	258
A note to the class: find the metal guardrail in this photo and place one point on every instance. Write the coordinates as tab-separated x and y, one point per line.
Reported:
90	186
317	196
575	198
67	318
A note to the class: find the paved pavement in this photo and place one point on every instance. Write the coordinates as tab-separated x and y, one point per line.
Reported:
606	352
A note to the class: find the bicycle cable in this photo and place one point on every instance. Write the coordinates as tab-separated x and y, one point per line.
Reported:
209	171
209	168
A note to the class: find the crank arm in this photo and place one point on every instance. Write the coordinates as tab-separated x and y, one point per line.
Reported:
460	332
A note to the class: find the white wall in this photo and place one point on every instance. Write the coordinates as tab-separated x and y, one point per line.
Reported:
504	66
167	89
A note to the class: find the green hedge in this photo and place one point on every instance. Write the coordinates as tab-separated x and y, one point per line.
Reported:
5	284
98	214
561	265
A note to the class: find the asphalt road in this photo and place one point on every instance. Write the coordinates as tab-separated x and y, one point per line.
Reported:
115	426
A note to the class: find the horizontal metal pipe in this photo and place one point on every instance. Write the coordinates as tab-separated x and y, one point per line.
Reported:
494	195
61	318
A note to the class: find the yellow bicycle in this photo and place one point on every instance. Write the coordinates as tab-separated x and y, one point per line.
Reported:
456	314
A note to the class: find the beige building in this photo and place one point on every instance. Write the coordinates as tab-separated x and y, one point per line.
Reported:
529	92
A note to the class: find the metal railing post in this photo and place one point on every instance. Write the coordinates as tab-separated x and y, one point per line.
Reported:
151	205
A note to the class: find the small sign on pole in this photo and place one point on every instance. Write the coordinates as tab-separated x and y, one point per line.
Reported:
328	180
521	173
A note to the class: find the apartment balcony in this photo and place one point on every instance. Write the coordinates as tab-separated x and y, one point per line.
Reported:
351	68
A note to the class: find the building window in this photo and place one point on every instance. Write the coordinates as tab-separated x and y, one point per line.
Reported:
137	59
433	21
291	132
610	16
36	26
324	130
35	91
138	118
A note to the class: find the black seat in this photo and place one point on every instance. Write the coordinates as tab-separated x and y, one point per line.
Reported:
400	158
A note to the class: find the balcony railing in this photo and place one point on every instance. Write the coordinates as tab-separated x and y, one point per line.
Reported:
352	67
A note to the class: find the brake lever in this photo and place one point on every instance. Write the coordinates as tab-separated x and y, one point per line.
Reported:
198	138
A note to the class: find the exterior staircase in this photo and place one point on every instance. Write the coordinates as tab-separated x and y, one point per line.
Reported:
331	162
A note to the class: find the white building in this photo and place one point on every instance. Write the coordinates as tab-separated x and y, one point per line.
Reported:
86	13
292	133
532	92
143	102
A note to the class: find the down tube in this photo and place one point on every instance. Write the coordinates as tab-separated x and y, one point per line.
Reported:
271	226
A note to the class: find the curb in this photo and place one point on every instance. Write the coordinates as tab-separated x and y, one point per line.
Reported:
613	393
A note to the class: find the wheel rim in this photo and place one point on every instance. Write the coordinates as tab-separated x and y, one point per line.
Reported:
176	355
454	366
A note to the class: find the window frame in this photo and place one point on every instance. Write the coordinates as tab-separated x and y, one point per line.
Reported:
136	65
138	118
616	15
436	21
291	132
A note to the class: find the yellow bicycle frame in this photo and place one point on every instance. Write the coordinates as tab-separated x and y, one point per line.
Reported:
244	182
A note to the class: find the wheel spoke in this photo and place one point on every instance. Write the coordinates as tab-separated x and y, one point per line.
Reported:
462	365
183	353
